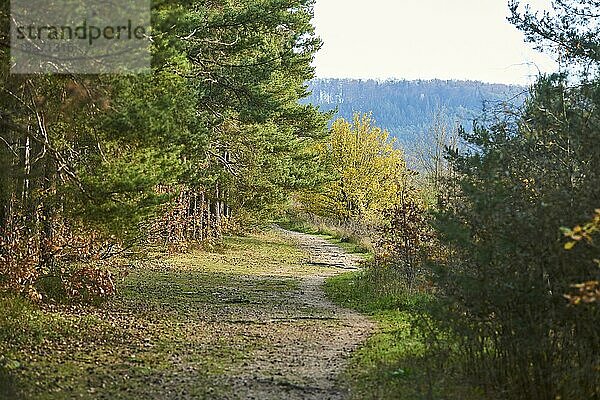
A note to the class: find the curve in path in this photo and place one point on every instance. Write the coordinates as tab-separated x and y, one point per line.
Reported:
309	347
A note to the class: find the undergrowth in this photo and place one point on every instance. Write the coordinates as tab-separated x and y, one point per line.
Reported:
408	357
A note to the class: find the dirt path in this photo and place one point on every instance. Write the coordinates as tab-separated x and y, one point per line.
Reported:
245	320
310	346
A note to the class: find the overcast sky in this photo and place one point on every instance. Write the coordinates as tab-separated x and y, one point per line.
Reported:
423	39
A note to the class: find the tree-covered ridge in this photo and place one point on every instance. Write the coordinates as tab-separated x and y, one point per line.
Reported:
406	107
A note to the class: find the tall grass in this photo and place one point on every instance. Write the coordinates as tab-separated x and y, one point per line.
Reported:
351	232
409	356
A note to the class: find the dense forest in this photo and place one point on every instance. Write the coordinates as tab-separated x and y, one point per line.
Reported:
186	233
93	164
406	108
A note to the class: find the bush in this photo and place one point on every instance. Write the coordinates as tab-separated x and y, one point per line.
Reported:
406	240
86	284
90	285
40	270
509	271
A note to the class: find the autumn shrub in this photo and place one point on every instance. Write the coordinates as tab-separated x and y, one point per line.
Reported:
90	285
19	257
82	284
586	292
43	270
405	240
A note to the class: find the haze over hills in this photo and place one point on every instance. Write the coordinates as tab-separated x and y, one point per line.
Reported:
406	108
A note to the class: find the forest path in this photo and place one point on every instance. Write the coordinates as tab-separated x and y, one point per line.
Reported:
247	319
312	343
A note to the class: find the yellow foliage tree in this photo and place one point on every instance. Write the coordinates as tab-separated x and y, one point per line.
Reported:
367	170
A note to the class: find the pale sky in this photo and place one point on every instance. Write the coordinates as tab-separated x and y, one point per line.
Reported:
424	39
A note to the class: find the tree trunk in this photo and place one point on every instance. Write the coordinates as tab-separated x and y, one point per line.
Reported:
47	231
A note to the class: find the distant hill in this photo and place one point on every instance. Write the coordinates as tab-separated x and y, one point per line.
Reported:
406	108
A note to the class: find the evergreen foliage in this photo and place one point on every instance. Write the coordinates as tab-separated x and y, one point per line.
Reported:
508	270
570	31
101	157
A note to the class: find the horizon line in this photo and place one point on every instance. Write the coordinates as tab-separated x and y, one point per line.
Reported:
396	79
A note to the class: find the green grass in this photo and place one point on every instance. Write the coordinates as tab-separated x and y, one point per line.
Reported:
264	254
399	361
172	327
